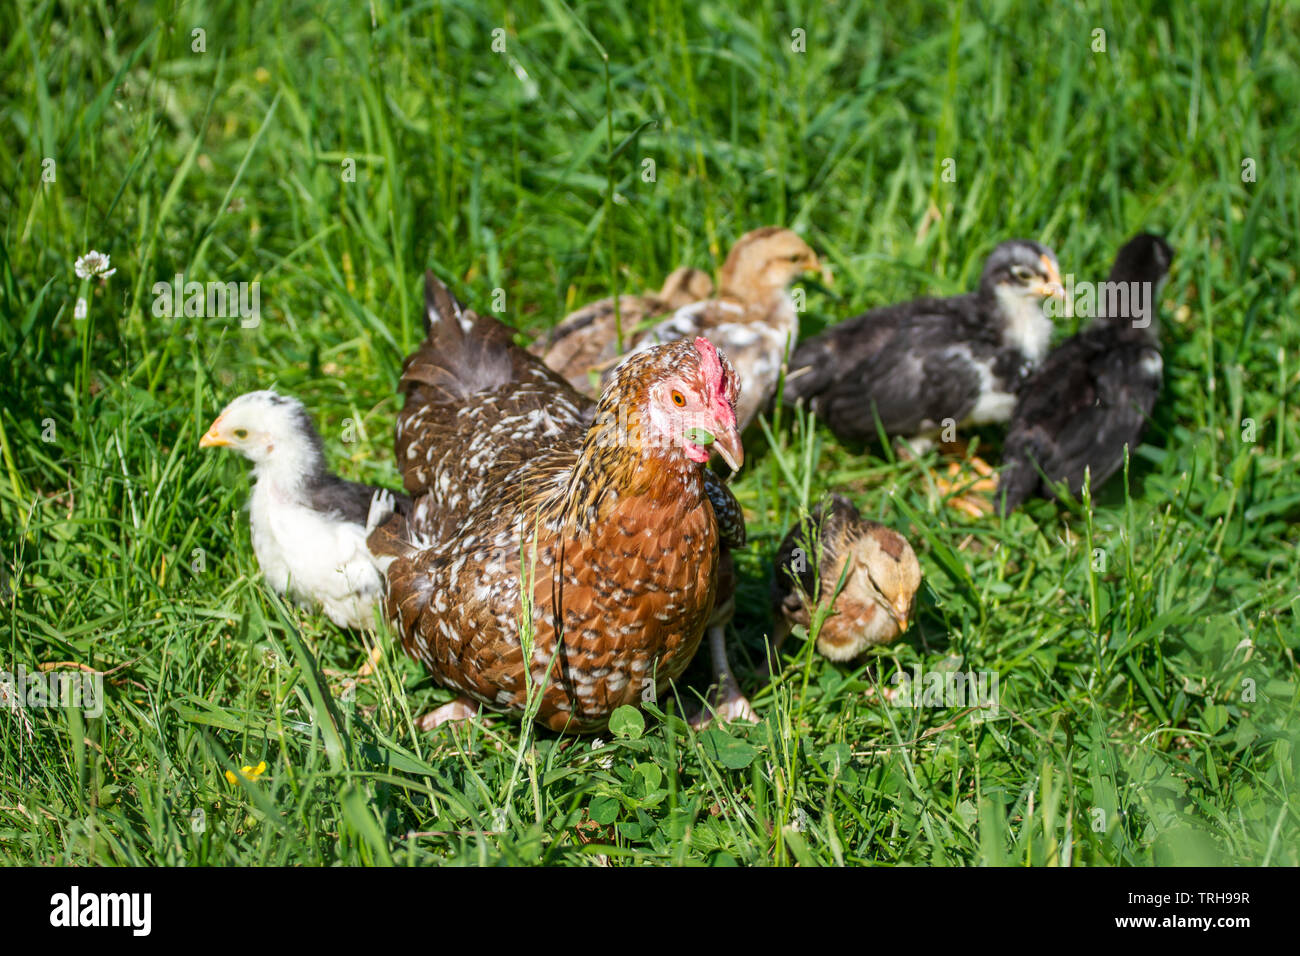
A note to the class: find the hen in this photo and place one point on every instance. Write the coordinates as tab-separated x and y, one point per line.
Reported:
753	321
881	577
587	339
1092	396
552	551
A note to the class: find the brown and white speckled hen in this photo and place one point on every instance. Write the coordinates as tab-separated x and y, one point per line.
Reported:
753	320
881	577
586	340
589	537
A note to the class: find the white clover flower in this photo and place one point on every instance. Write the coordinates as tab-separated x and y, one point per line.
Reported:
81	310
93	264
606	761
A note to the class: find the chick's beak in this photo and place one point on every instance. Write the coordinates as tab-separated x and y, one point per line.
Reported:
213	439
903	615
1053	288
821	268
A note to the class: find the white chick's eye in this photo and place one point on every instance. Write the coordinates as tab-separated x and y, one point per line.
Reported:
241	433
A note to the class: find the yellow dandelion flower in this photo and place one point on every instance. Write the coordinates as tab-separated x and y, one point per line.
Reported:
250	774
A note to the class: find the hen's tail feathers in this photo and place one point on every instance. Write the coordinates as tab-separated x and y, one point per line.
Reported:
452	363
462	354
440	306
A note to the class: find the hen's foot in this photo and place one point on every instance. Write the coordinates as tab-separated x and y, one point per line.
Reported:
462	708
726	703
731	705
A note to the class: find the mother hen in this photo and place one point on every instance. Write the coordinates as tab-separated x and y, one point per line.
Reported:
545	543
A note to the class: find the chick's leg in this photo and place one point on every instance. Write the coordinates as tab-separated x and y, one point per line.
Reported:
971	497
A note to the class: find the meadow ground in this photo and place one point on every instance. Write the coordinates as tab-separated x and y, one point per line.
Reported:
1144	644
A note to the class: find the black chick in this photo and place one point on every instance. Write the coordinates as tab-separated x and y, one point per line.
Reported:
918	363
1092	396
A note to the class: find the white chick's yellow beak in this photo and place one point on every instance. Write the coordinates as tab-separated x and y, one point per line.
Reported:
213	437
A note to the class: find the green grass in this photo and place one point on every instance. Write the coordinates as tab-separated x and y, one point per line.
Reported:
1148	697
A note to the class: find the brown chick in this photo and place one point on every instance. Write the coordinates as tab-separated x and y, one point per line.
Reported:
753	320
587	338
876	603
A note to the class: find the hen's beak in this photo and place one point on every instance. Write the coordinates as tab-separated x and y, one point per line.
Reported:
213	437
727	444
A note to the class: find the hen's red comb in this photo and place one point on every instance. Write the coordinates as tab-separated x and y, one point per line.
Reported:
715	378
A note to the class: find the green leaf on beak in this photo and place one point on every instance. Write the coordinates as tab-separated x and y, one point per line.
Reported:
699	436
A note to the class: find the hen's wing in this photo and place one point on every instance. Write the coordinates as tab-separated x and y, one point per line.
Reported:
726	509
476	406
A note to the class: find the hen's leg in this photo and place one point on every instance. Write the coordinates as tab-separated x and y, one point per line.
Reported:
462	708
727	701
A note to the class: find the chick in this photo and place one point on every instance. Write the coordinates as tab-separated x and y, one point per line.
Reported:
1092	396
881	577
587	338
753	321
309	526
923	364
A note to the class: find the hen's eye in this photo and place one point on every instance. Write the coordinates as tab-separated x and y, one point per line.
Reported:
679	399
241	432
